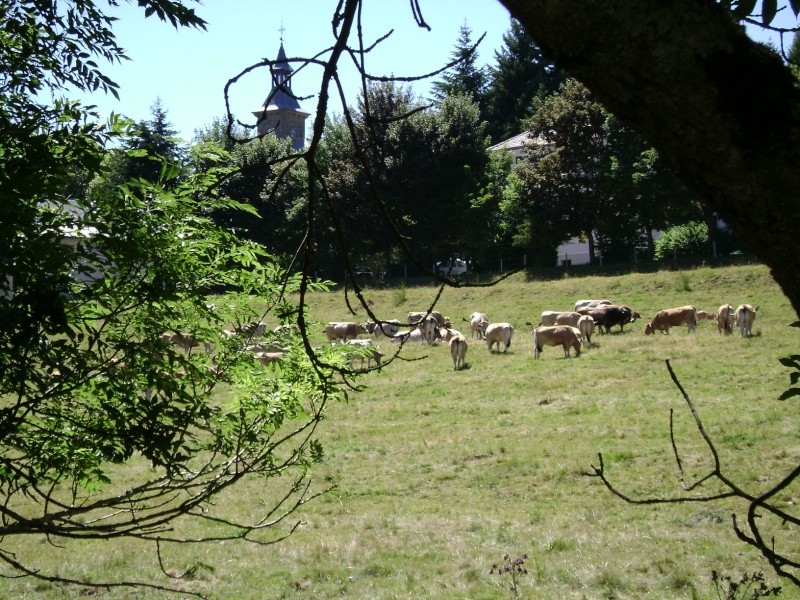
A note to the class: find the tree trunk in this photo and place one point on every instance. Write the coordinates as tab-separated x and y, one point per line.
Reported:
722	110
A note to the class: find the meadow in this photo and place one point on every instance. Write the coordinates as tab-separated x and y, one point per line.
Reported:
439	474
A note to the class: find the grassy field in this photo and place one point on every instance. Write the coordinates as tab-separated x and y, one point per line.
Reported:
439	474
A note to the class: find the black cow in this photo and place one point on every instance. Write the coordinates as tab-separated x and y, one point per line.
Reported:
610	315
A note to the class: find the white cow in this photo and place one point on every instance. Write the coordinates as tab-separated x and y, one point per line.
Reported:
458	350
499	333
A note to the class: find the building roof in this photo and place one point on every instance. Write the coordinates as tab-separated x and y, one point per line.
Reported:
517	144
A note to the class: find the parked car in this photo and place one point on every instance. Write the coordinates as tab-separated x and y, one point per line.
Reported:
454	267
365	272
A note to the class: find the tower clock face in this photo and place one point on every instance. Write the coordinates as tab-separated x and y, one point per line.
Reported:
293	133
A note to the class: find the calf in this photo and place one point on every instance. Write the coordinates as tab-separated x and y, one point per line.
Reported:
557	335
672	317
744	317
497	333
725	319
458	350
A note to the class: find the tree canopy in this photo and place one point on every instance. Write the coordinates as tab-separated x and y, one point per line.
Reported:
720	109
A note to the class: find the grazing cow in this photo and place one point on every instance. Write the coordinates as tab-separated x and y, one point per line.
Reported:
497	333
252	329
744	316
554	317
724	318
416	317
458	350
268	358
429	328
672	317
591	303
609	315
448	333
184	341
556	335
705	315
344	330
478	322
586	327
362	349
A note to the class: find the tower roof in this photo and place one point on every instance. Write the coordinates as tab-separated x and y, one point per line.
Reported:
280	96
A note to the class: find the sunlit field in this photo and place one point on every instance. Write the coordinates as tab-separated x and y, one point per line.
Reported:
438	473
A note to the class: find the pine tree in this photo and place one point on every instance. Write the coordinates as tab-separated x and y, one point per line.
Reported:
522	73
465	78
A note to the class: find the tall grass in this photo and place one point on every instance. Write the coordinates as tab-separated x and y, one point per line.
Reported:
439	473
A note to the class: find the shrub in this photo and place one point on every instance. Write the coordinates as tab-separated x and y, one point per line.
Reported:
686	239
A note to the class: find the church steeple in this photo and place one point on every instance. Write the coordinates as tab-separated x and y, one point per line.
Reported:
280	113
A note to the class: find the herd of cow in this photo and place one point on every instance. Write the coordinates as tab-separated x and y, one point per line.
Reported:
571	329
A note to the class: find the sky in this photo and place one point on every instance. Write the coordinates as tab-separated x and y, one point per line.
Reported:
188	69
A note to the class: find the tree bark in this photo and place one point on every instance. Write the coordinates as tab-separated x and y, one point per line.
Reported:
722	110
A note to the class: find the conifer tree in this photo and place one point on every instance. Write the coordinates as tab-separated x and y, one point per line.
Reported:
465	78
521	74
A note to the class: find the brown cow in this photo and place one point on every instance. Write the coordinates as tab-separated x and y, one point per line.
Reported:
725	319
672	317
557	335
552	317
344	330
744	317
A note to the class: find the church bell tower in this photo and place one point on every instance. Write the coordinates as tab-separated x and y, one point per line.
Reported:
280	114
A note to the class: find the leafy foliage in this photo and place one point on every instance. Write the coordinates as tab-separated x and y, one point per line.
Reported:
685	240
99	288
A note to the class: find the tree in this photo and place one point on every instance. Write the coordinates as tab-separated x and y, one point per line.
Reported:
146	147
520	75
252	183
423	168
719	108
101	339
464	78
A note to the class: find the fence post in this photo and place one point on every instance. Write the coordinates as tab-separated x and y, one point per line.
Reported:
501	265
714	247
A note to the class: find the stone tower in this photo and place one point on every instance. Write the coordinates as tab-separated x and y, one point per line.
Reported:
280	114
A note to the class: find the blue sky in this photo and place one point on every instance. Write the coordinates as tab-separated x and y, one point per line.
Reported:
188	69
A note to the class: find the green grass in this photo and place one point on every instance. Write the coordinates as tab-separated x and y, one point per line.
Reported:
441	473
